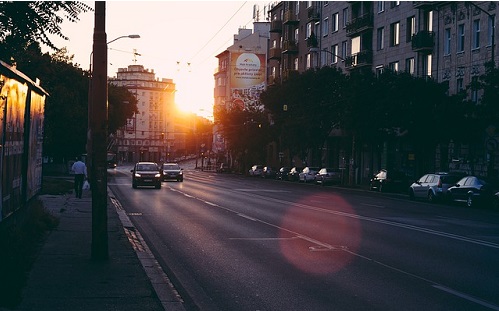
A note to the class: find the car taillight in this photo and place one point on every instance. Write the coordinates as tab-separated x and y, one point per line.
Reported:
439	185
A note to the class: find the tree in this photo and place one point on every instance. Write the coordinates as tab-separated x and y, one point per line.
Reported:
34	21
122	106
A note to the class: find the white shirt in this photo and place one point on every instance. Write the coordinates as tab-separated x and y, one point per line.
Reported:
79	168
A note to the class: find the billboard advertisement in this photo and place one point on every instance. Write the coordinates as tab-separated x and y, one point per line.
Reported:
248	79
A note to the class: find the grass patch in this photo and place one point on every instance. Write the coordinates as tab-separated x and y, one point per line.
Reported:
21	237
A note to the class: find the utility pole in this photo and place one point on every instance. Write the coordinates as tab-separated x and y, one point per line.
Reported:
97	136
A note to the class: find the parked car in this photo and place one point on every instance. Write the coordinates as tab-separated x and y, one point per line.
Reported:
294	173
146	174
474	191
327	175
308	174
172	171
256	170
391	181
283	173
268	172
433	186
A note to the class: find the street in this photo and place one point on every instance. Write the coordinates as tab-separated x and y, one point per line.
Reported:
232	242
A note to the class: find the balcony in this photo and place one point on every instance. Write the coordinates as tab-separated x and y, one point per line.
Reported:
423	41
313	14
276	26
290	18
359	25
289	73
289	47
275	53
359	60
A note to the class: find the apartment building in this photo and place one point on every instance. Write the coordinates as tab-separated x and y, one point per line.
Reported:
446	41
241	75
150	135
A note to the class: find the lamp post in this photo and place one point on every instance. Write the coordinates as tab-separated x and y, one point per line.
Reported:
97	133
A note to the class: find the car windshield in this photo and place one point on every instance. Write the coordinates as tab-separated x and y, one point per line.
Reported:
171	167
147	167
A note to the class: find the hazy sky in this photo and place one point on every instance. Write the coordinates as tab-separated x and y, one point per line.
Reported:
172	34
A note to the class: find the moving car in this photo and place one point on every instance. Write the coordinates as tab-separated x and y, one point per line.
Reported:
327	175
256	170
172	171
146	174
433	186
474	190
394	181
308	174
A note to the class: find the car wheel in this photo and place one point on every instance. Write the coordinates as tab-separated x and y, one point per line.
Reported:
470	202
380	187
431	196
158	186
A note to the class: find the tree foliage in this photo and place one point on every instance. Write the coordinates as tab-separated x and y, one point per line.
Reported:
122	106
34	21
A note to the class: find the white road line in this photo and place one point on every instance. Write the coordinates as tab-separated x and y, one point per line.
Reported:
467	297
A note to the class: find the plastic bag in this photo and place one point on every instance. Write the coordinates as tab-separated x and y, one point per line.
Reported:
86	185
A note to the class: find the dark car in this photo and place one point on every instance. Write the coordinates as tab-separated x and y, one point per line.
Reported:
433	186
282	173
256	170
294	173
146	174
327	175
269	172
172	171
474	191
390	181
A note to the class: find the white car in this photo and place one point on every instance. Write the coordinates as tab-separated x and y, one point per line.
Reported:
308	174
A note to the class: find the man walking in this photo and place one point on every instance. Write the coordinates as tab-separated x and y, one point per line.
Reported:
80	170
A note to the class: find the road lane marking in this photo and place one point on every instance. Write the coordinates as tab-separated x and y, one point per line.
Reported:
467	297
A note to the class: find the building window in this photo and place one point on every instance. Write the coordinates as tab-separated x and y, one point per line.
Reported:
296	35
460	38
345	17
427	65
335	22
394	4
309	30
447	41
474	89
381	6
380	38
344	49
296	63
325	26
309	61
379	70
334	51
459	85
476	34
410	65
395	34
411	28
394	66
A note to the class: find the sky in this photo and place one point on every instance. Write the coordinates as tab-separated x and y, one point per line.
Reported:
178	40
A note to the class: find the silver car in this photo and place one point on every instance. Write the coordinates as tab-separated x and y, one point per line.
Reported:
433	186
308	174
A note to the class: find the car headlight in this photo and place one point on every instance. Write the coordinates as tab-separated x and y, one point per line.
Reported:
157	175
137	175
181	173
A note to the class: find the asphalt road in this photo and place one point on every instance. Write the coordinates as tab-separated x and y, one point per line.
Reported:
232	242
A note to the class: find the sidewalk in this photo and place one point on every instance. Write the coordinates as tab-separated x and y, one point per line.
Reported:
64	277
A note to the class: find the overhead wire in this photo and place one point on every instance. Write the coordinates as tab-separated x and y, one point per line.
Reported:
199	51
